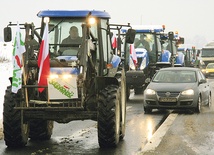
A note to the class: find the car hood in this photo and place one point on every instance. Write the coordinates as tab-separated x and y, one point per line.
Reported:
176	87
209	70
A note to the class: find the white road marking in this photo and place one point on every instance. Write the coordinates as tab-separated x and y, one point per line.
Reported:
158	135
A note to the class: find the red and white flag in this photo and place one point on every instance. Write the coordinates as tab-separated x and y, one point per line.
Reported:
43	60
114	41
133	54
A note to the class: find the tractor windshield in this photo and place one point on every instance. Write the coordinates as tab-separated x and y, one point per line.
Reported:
65	35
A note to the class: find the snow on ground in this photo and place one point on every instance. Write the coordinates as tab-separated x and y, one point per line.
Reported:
6	70
5	73
6	51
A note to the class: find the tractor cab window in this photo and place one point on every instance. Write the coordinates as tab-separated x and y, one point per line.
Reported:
106	45
144	40
167	46
65	36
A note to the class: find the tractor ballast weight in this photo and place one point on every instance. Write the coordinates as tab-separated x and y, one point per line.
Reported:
93	90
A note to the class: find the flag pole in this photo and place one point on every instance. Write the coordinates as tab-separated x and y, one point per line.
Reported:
25	83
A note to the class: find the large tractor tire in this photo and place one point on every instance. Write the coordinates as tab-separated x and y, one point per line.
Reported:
16	131
40	129
127	92
109	117
123	91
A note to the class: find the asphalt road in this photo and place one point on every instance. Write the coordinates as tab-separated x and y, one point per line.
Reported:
181	133
80	137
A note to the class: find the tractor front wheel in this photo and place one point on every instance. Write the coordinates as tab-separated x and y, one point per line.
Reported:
40	129
109	116
16	131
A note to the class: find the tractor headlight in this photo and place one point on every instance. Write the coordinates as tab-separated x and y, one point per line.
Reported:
91	21
53	76
46	19
63	76
66	76
143	64
131	64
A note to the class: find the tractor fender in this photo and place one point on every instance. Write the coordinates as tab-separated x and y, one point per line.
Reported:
102	82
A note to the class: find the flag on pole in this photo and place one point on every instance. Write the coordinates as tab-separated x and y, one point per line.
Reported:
133	54
114	41
18	50
43	60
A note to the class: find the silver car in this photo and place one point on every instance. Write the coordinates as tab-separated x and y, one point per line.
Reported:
177	88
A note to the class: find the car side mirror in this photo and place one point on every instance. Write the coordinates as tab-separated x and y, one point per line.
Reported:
148	80
202	81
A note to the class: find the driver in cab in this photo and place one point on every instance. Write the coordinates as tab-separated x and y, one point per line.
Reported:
73	38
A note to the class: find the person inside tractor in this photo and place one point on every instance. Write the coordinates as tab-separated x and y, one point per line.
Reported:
73	39
143	42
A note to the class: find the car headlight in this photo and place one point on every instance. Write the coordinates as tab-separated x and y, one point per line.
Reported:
149	92
188	92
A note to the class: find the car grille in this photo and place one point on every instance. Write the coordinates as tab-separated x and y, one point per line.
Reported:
168	94
168	103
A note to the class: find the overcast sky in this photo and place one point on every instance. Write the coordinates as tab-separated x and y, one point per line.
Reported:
191	18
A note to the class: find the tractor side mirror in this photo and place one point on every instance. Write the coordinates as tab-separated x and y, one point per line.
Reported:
181	40
7	34
171	35
130	36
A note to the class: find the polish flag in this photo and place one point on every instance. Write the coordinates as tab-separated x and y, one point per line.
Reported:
133	54
43	60
114	41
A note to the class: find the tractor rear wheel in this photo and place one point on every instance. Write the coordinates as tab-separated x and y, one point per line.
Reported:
109	116
16	131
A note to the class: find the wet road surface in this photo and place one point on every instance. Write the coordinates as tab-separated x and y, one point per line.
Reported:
80	137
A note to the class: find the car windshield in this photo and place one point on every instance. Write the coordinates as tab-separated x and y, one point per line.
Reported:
175	76
210	66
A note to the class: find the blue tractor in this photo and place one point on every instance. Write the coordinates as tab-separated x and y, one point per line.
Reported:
189	53
170	56
81	84
140	58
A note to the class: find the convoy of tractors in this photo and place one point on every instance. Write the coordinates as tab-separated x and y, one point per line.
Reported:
89	78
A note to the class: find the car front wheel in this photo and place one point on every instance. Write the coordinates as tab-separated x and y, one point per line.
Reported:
209	104
198	108
147	110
